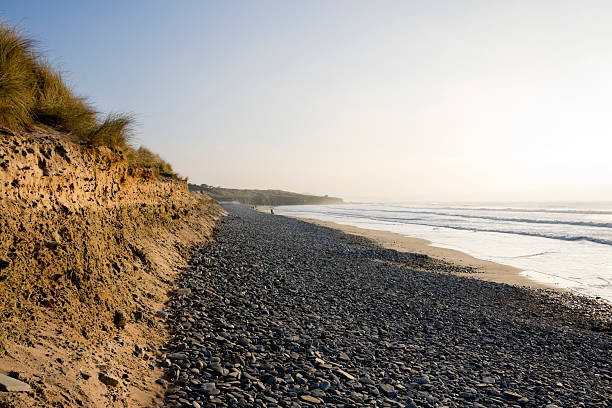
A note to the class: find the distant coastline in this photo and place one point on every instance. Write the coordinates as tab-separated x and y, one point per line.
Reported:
263	197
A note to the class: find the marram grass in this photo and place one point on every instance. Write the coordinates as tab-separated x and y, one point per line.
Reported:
32	94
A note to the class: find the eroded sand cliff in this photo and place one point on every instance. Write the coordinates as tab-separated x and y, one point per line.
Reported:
85	242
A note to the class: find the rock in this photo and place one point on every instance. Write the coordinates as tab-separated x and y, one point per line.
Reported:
423	380
176	356
467	395
182	292
388	390
324	385
119	319
344	374
9	384
324	318
220	371
209	388
311	399
108	379
512	395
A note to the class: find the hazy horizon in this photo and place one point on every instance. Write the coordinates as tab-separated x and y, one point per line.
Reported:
368	101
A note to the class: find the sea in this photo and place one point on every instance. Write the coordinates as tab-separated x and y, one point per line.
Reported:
567	245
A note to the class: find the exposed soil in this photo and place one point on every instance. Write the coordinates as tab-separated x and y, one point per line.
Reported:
85	243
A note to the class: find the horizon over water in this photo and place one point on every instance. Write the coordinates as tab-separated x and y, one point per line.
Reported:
566	245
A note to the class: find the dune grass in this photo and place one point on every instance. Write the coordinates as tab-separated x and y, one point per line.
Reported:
144	158
33	94
17	81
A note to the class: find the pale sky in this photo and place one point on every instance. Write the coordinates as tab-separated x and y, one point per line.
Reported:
375	100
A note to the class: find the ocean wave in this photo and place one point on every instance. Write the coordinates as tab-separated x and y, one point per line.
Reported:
487	217
505	219
405	208
529	210
586	238
418	221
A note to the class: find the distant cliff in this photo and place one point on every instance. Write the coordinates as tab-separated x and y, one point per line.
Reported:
263	197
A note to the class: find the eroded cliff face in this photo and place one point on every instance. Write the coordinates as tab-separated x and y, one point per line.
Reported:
82	238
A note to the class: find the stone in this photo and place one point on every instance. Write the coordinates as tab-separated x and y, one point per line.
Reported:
176	356
388	390
343	356
108	379
119	319
423	380
220	371
344	374
311	399
10	384
467	395
208	387
183	292
393	335
512	395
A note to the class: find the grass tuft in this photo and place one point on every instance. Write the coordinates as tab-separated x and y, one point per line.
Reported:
17	61
33	93
57	107
115	131
143	158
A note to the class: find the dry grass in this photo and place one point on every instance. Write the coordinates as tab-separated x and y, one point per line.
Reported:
145	159
32	94
17	83
57	107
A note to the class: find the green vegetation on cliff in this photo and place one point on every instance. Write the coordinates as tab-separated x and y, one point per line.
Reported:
33	94
263	197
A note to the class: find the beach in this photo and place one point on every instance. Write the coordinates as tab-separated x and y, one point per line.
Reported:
281	312
485	270
566	246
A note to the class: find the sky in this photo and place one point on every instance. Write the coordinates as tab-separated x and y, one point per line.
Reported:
370	101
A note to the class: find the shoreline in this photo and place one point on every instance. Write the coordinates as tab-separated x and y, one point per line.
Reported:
489	271
367	331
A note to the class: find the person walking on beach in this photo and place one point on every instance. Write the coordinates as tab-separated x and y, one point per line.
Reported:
271	210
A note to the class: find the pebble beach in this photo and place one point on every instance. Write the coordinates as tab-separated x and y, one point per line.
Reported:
280	312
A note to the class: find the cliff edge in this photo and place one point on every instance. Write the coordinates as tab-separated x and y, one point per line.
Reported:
89	247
